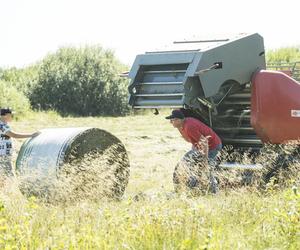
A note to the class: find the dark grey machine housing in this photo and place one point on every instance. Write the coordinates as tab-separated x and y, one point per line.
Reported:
209	78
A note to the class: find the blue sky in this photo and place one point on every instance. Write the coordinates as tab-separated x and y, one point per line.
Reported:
32	28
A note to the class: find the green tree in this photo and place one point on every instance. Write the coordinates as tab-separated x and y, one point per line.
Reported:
11	97
81	81
22	79
287	54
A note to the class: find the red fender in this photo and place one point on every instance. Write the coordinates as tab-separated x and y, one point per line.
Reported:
275	106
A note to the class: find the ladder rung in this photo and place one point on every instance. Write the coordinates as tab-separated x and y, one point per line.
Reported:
234	116
240	95
242	141
163	71
159	83
237	103
158	102
158	95
158	107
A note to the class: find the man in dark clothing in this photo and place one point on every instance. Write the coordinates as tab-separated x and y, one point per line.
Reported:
206	144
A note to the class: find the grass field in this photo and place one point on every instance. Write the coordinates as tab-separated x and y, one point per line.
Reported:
150	216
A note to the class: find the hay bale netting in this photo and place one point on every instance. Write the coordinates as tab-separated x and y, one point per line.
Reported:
73	163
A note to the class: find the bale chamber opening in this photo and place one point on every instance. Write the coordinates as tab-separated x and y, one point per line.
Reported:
72	164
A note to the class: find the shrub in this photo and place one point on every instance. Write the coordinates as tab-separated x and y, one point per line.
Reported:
81	81
11	97
288	54
22	79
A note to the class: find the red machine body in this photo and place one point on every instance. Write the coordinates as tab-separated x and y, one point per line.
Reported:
275	107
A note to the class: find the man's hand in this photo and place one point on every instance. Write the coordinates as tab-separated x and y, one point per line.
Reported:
202	146
35	134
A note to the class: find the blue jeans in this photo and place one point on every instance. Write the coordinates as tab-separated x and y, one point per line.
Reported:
212	154
191	158
195	156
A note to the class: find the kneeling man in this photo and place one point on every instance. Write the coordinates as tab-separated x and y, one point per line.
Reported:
205	144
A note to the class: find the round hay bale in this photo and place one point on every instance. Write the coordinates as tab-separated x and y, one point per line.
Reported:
73	163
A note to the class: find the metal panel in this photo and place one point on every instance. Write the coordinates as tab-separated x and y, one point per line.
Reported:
240	59
156	84
159	59
236	59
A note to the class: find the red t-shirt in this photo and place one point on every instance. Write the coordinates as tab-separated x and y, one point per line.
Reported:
193	129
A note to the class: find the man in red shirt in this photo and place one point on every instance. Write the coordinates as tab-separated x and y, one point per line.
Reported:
205	142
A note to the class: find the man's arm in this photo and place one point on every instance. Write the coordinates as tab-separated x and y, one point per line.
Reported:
21	135
186	139
202	145
198	140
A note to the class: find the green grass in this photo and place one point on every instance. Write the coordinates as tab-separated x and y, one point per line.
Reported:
150	216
